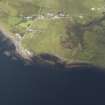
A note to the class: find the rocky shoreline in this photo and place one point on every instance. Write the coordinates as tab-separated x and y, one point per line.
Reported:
12	48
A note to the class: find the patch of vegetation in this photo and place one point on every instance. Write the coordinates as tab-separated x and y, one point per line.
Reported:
65	28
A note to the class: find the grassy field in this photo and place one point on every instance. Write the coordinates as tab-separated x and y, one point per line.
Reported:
47	39
44	33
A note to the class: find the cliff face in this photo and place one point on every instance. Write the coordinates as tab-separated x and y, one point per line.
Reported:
9	50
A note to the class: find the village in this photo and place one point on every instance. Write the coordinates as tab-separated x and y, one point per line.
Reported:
51	16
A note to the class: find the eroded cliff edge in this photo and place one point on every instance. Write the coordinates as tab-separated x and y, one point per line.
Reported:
10	48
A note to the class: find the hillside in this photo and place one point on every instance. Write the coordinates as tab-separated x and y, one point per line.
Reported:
73	30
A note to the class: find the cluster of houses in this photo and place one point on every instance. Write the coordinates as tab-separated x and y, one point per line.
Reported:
56	16
48	15
98	9
51	15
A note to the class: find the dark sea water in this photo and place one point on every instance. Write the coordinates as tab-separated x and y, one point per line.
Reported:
47	85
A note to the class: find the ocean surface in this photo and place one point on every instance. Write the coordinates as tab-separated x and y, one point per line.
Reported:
22	84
